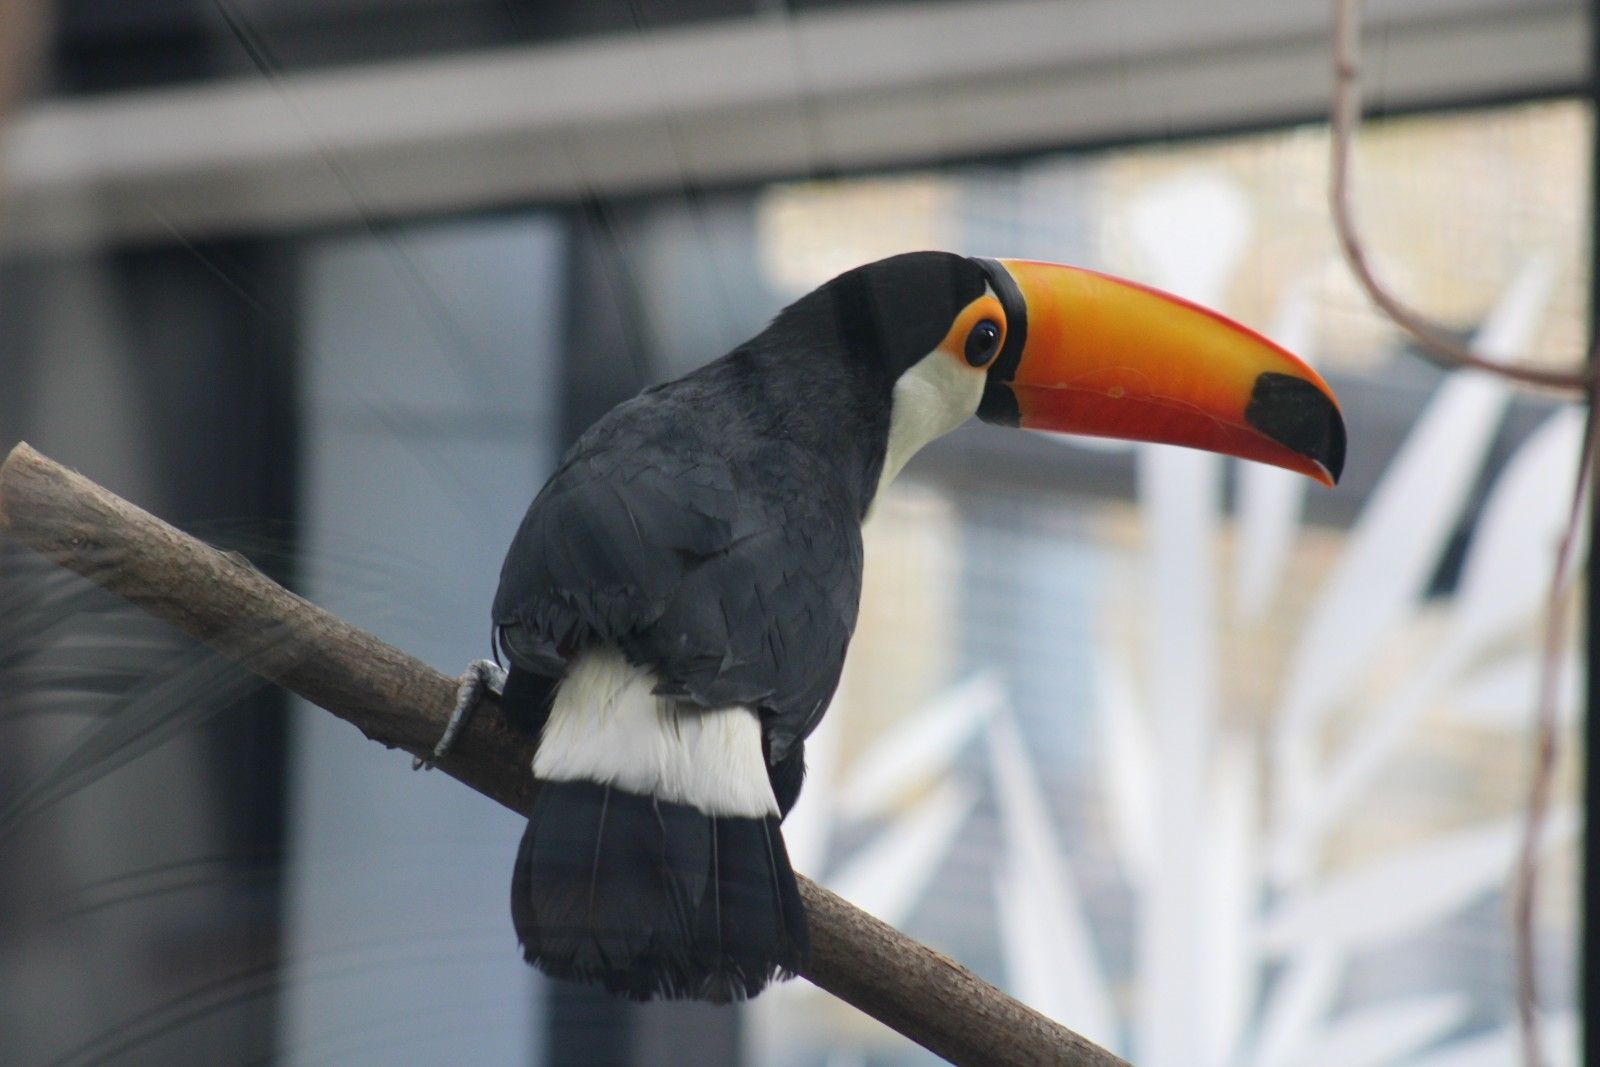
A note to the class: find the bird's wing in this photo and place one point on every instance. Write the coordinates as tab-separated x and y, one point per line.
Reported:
733	590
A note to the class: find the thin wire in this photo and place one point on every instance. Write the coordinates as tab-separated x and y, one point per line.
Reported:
448	334
451	340
693	193
823	167
618	276
228	281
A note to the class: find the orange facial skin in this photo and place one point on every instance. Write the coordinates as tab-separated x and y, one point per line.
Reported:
987	307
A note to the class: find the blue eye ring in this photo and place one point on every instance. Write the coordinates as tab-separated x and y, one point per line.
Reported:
983	342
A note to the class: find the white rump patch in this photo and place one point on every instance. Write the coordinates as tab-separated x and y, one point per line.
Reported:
607	726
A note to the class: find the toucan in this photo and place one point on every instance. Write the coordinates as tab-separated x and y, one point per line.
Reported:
676	605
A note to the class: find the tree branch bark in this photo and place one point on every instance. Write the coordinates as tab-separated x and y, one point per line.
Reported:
401	702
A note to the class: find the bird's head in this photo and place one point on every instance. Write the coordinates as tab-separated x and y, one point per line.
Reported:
1049	347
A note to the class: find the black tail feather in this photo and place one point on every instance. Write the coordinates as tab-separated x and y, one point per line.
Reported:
655	899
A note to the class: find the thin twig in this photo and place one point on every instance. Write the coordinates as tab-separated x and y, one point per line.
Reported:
1439	346
1546	751
398	701
1435	342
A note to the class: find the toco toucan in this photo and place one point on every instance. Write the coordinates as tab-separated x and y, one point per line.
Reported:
676	605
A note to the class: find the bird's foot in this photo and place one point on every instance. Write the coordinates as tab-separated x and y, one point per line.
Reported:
480	675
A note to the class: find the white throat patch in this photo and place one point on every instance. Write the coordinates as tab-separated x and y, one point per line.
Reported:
935	395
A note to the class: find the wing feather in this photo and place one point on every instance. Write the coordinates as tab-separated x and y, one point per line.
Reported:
731	572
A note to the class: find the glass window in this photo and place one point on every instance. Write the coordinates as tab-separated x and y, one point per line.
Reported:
1214	766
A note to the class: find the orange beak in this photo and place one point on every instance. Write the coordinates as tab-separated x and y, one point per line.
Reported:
1105	357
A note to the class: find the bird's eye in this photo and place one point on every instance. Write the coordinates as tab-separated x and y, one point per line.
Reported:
982	343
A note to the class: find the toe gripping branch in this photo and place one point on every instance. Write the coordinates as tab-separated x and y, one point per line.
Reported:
480	675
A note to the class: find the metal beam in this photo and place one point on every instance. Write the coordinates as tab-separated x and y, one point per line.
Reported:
764	97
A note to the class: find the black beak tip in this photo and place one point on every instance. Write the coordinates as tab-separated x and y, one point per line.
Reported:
1300	416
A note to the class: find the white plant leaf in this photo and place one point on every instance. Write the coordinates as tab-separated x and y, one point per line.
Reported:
1405	890
1364	756
1271	500
1381	1035
1298	1003
807	829
1395	545
889	876
1192	230
1226	901
1110	445
919	748
1045	939
1506	575
1127	765
1504	582
1180	493
1391	551
1503	696
1501	1047
1029	924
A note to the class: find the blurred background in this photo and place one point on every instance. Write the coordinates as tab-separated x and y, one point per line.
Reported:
1220	770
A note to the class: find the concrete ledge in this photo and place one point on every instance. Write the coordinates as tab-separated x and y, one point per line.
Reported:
757	98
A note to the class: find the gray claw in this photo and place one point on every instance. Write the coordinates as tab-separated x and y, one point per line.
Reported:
481	674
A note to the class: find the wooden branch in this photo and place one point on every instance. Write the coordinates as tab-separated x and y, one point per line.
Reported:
401	702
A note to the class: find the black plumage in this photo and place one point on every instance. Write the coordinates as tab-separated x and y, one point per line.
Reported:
709	529
677	603
650	898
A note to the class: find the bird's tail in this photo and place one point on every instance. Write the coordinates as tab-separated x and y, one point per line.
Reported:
651	898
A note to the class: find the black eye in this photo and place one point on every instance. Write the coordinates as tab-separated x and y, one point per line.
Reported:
982	343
